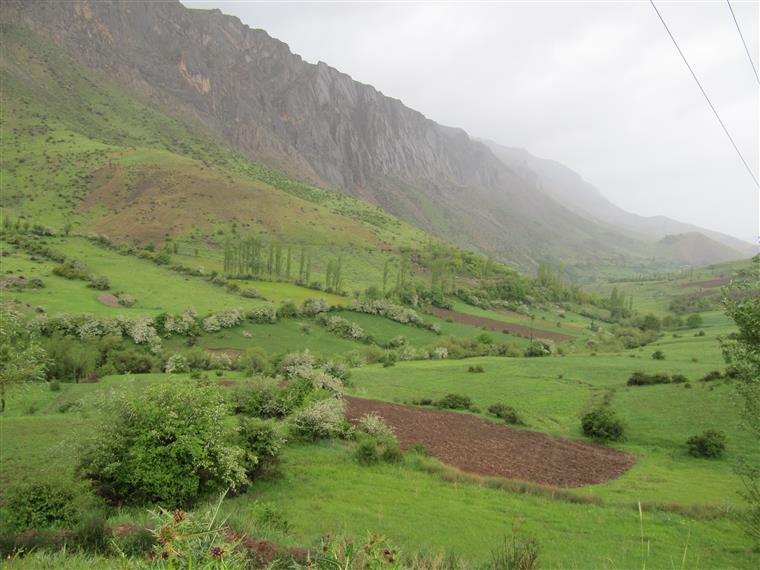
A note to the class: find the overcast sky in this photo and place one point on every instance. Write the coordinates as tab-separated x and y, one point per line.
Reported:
596	86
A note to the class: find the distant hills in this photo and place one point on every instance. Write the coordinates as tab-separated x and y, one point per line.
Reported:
315	124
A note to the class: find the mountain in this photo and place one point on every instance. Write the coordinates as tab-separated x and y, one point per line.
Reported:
571	190
319	126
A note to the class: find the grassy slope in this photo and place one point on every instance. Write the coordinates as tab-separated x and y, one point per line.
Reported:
552	394
321	489
76	148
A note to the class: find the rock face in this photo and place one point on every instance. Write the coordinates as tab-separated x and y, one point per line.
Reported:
318	125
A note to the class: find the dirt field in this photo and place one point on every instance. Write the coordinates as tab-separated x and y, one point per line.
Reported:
109	300
478	446
494	325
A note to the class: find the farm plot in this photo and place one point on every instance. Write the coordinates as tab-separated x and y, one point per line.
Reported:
486	448
496	325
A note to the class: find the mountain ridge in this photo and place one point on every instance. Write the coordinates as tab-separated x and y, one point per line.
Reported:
318	125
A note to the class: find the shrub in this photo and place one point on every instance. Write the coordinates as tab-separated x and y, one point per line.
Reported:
373	424
476	369
40	504
658	355
455	402
55	386
250	293
287	310
262	442
125	300
130	361
337	370
100	283
176	364
644	379
506	413
710	444
321	420
602	424
711	376
373	449
538	349
171	444
255	361
72	269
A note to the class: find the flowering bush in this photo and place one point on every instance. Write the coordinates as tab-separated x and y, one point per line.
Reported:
440	352
176	364
211	324
325	381
125	300
266	314
298	364
342	327
393	312
323	419
229	318
221	360
312	307
373	424
181	324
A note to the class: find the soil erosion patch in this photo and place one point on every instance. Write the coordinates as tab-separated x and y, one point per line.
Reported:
494	325
478	446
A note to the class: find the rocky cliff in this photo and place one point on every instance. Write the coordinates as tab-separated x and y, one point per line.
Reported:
319	125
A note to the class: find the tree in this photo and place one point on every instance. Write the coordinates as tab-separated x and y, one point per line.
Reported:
694	321
742	353
172	444
22	359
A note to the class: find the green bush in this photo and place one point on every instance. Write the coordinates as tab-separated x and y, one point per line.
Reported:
455	402
477	369
100	283
171	444
602	424
658	355
262	442
710	444
506	413
372	449
40	504
72	269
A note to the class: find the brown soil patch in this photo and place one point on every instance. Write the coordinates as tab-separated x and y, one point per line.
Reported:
700	294
709	283
494	325
522	317
233	353
109	300
11	281
478	446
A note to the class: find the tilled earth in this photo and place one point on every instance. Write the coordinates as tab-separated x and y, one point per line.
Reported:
478	446
495	325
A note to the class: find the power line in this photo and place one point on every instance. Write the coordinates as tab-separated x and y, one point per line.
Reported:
702	89
746	49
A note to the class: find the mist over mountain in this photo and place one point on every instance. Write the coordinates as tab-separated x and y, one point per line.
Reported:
316	124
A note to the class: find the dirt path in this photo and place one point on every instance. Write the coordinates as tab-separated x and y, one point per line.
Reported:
494	325
486	448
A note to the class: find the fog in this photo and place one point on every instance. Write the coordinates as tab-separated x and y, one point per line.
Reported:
597	86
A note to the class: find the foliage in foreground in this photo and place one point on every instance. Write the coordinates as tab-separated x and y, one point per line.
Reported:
170	445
